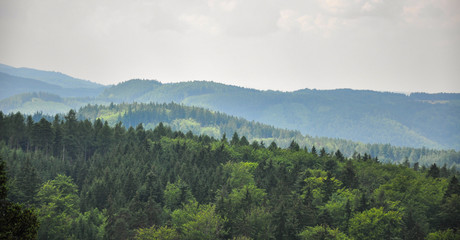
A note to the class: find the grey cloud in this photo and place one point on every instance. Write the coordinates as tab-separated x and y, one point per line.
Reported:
275	44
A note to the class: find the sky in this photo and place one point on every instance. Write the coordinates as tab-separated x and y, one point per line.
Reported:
383	45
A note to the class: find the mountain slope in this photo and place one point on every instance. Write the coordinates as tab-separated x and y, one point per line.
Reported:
47	103
12	85
365	116
418	120
214	124
55	78
129	90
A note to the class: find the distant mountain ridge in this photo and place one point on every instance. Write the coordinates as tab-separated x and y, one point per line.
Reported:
26	80
55	78
415	120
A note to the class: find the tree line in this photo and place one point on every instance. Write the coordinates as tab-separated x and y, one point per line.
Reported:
215	124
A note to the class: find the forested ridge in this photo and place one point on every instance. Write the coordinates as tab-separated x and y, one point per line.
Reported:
203	121
87	180
416	120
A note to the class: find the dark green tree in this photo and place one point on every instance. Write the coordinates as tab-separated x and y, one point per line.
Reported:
28	183
434	171
16	222
322	152
452	188
235	140
294	146
313	150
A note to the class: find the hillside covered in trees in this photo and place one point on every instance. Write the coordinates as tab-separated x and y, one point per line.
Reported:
88	180
415	120
202	121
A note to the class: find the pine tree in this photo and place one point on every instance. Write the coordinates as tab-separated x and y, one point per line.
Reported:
294	146
339	156
313	150
235	140
28	183
452	188
273	146
16	222
434	171
322	153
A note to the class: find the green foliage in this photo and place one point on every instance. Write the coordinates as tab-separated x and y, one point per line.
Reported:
58	201
375	223
16	222
322	233
448	234
157	233
94	181
89	225
27	183
177	194
240	174
450	212
197	221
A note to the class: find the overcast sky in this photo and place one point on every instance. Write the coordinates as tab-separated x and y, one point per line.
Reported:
385	45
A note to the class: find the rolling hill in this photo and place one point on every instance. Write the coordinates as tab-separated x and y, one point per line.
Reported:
15	81
430	120
202	121
55	78
415	120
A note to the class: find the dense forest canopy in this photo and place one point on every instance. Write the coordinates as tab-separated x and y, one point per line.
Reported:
89	180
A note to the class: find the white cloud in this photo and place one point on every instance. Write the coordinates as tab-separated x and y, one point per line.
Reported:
244	40
323	25
432	13
225	5
201	23
287	19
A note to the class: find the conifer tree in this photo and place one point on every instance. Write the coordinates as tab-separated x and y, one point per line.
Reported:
16	222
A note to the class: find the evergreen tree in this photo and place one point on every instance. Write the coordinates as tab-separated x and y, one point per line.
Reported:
235	140
452	188
339	155
244	141
273	146
322	153
313	150
434	171
28	183
294	146
16	222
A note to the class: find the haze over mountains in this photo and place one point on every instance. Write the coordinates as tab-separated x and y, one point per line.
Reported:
417	120
24	80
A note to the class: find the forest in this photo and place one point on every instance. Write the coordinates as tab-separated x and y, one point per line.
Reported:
405	120
214	124
70	178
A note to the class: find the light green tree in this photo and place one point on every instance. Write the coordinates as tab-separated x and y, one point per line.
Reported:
157	233
176	194
197	221
448	234
322	232
89	225
375	223
58	206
